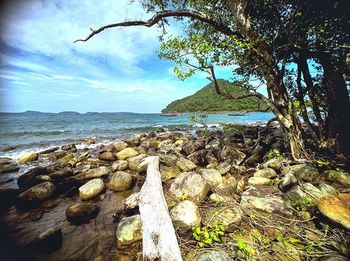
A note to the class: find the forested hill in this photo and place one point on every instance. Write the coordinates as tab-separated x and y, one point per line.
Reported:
206	100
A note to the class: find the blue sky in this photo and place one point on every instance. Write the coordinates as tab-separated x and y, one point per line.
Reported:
118	70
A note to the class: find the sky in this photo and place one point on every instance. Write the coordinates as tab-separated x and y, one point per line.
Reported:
42	69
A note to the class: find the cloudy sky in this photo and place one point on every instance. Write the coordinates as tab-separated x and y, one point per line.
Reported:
118	70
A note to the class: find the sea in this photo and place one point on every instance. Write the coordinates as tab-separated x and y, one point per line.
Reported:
20	132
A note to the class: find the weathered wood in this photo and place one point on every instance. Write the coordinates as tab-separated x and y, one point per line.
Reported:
159	238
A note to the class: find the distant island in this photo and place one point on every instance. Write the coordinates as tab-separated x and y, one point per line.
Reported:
207	100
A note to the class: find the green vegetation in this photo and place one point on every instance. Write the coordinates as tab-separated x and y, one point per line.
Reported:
274	154
302	204
208	235
207	100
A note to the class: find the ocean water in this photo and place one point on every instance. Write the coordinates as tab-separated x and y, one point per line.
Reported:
23	131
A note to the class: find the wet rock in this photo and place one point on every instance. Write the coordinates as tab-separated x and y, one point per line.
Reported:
7	197
93	173
211	176
224	168
69	147
265	198
127	153
36	194
66	159
57	155
119	146
265	173
108	156
185	164
121	181
47	241
133	141
259	181
305	172
336	208
169	172
185	215
211	255
49	150
168	159
89	141
28	179
230	217
190	184
129	231
120	165
287	182
80	213
338	176
134	162
91	189
62	173
28	157
8	165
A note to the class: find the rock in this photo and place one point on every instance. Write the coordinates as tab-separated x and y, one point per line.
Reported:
133	141
199	157
275	164
296	193
265	198
211	176
232	154
7	197
211	255
121	181
62	173
185	215
89	141
230	217
129	231
224	168
327	190
228	185
285	251
127	153
36	194
288	181
69	147
66	159
27	157
93	173
47	241
91	189
28	179
169	172
80	213
49	150
259	181
134	162
108	156
265	173
305	172
216	198
185	164
338	176
166	146
336	208
311	190
168	159
57	155
119	146
8	165
193	145
213	144
189	184
120	165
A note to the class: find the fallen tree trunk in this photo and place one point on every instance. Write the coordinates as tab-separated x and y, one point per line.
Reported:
159	238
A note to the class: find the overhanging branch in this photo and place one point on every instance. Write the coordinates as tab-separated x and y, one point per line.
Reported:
164	14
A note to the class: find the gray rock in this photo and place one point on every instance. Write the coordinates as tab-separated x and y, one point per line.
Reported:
232	154
230	217
287	182
79	213
121	181
69	147
265	173
93	173
8	165
28	157
311	190
134	162
305	172
185	215
327	190
47	241
193	145
224	168
213	144
338	176
259	181
199	157
212	255
120	165
185	164
211	176
28	179
91	189
108	156
127	153
119	146
62	173
275	164
228	185
36	194
129	231
169	172
168	159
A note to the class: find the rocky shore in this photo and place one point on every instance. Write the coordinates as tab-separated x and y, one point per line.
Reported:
231	195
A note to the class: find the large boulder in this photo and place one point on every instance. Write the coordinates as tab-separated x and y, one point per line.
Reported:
108	156
211	176
224	168
232	154
121	181
265	198
199	157
336	208
193	145
340	177
259	181
265	173
36	194
230	217
228	185
82	212
62	173
93	173
305	172
134	162
185	215
121	145
185	164
127	153
120	165
28	179
129	231
169	172
45	242
91	189
28	157
8	165
189	184
168	159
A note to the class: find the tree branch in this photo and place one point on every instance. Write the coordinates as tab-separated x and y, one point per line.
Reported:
164	14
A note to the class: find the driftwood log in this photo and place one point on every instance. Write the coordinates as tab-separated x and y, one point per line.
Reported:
159	238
